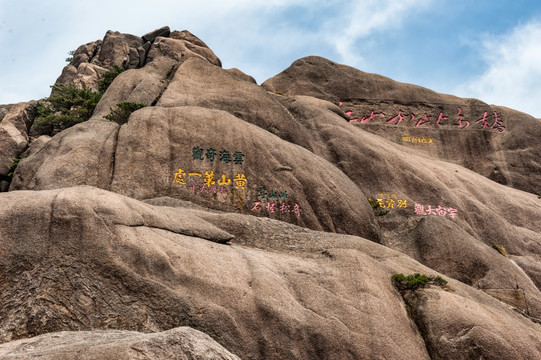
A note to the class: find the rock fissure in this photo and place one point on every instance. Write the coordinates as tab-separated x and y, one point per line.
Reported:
113	157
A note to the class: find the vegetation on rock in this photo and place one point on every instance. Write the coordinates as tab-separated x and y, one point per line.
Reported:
123	111
70	53
69	105
416	281
375	205
108	77
12	167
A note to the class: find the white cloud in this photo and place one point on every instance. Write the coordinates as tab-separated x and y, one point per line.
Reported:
36	36
513	70
368	17
260	38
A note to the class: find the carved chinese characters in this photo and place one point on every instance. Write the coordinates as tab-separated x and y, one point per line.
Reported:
488	120
211	154
433	210
274	202
417	139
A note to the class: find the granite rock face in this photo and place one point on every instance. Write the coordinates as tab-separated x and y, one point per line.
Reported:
494	141
14	139
127	51
98	260
180	343
272	217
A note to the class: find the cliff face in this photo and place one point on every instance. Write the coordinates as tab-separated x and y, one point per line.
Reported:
270	217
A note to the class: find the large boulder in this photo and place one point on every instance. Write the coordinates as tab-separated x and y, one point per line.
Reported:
164	31
86	259
143	86
496	142
85	75
251	168
179	343
4	109
14	133
180	48
124	50
91	60
458	328
294	151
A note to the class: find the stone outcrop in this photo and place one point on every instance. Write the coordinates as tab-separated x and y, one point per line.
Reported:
494	141
272	217
151	36
179	343
4	109
95	259
91	60
14	139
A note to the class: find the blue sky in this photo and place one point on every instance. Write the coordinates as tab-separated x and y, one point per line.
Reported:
486	49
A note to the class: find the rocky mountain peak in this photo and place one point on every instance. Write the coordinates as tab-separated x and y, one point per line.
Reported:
158	202
127	51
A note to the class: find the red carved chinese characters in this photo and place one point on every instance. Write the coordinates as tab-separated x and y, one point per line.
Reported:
442	119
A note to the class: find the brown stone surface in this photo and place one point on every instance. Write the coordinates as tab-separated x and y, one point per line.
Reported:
509	154
98	260
180	50
213	156
180	343
240	75
14	133
151	36
513	297
143	86
458	328
4	109
124	50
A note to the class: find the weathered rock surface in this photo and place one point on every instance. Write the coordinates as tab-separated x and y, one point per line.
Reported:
494	141
14	133
180	49
180	343
213	156
4	109
458	328
95	259
91	60
151	36
85	75
143	86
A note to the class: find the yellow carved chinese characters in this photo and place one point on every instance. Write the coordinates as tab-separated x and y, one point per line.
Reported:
209	178
179	176
240	180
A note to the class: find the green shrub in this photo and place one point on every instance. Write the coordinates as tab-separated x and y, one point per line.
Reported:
68	105
416	281
438	280
12	168
108	77
123	111
373	203
70	53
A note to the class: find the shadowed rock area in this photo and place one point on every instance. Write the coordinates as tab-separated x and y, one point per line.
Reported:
221	217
